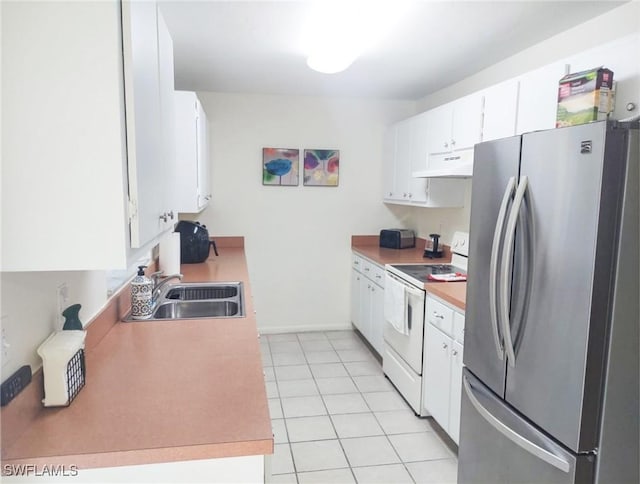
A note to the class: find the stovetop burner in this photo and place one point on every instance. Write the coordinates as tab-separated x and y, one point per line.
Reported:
421	272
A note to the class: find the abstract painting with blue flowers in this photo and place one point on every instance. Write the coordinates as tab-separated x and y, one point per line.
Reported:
321	168
280	166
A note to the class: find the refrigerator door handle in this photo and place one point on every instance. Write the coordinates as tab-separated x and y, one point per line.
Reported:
513	436
505	280
493	267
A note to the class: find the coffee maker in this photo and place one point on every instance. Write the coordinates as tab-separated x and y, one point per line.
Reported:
432	248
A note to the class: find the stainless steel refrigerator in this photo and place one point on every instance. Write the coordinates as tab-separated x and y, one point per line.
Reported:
550	388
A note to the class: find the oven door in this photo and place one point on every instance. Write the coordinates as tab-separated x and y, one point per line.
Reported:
409	346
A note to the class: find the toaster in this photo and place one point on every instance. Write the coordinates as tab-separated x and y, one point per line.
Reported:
397	238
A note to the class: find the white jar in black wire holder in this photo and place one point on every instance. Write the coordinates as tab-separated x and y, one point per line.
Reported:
63	366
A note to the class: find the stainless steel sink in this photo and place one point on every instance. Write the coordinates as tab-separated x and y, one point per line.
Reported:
191	291
196	300
196	309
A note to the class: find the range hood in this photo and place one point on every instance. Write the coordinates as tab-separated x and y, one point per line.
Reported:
456	164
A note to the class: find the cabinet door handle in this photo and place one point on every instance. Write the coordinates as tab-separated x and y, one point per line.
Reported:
439	316
445	346
453	142
164	217
170	215
446	145
455	353
378	276
356	263
366	269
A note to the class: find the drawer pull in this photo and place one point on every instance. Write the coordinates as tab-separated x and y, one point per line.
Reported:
439	316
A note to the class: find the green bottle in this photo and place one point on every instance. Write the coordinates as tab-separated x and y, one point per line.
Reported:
72	321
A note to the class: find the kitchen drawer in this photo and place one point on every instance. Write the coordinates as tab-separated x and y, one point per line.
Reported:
373	271
357	262
440	316
377	274
458	327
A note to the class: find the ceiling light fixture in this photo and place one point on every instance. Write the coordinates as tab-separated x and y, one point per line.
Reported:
341	30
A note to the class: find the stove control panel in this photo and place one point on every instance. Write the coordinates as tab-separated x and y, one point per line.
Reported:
460	243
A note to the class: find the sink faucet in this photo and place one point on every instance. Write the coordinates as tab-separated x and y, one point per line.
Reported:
157	285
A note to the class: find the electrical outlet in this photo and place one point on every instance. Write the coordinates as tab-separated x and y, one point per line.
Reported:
5	346
63	302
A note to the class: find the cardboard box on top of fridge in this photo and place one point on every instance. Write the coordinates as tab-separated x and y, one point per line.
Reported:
585	96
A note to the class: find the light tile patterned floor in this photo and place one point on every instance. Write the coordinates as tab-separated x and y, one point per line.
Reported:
337	419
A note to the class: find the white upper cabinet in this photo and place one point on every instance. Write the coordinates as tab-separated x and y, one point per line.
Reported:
63	151
500	110
452	130
146	151
439	124
402	176
191	166
466	126
418	187
409	139
456	125
72	150
204	182
538	98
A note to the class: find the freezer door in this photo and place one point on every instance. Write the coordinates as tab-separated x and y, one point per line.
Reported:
572	206
495	173
499	446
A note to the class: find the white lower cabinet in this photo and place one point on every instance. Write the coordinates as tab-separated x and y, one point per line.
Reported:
437	374
456	391
367	300
377	318
442	365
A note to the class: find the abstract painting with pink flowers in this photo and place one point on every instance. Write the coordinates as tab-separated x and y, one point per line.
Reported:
321	168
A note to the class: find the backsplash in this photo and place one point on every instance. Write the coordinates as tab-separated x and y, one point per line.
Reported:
444	221
30	309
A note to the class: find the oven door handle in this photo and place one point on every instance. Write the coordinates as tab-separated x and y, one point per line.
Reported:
410	291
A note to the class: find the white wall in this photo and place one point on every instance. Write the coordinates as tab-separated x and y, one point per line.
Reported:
615	24
298	238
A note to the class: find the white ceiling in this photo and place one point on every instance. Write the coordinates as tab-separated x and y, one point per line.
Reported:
259	46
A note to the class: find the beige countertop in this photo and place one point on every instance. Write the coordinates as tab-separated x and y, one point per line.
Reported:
452	292
160	391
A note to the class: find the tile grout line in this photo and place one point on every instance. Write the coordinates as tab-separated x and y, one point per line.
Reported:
346	458
359	392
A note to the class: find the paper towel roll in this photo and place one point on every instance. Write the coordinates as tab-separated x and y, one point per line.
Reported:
170	253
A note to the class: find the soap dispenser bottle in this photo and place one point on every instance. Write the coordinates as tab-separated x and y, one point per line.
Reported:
141	295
